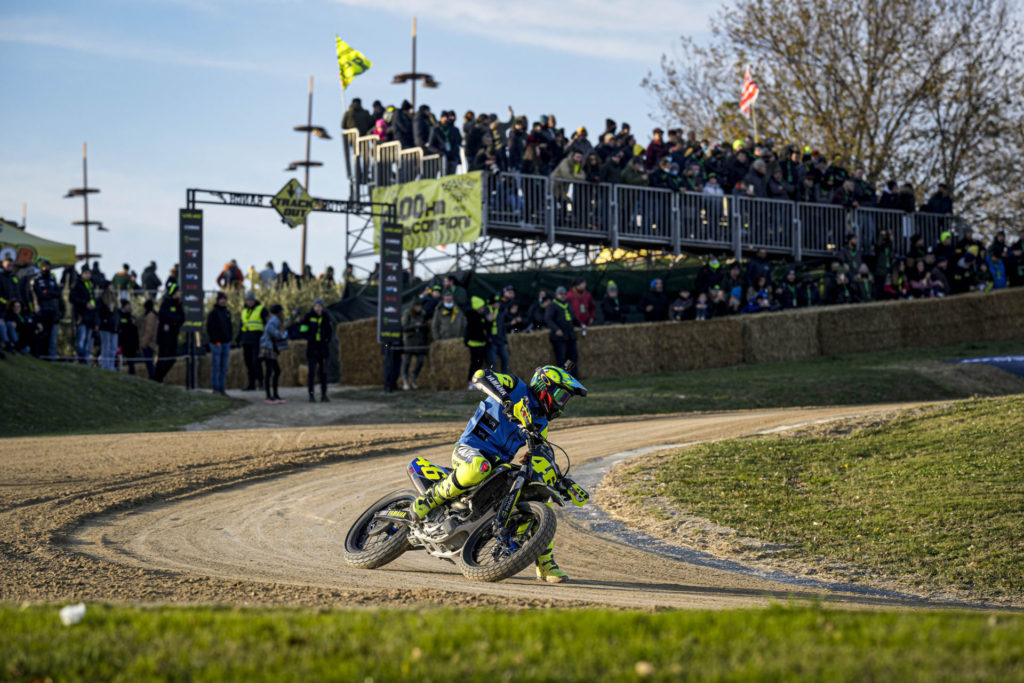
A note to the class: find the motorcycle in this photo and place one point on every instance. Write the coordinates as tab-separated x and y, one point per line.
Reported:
491	532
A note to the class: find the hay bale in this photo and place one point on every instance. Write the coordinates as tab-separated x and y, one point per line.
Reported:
858	328
1000	314
358	352
937	322
785	336
447	366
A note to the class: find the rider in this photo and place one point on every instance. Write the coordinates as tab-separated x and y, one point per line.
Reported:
493	436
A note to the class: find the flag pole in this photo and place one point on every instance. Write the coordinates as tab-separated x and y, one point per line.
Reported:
753	117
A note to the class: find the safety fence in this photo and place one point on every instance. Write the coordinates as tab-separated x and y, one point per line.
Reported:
561	210
564	210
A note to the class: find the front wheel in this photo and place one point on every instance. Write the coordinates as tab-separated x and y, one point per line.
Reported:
490	557
373	542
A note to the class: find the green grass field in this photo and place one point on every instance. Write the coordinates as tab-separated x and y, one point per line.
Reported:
914	375
40	398
933	498
780	643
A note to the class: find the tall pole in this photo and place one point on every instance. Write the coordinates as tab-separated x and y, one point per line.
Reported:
85	199
413	63
309	133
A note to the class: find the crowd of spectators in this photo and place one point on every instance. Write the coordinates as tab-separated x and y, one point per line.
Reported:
674	160
857	274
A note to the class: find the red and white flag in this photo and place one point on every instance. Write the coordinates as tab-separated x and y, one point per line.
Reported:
749	93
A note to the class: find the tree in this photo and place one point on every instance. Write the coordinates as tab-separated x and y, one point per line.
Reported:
924	90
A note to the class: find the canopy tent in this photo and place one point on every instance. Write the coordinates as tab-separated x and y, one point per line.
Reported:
25	248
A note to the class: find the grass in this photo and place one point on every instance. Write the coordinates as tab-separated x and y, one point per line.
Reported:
933	498
779	643
914	375
41	398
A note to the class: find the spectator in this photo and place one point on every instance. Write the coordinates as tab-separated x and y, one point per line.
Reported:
963	274
510	309
636	173
570	168
422	124
231	277
252	277
357	117
218	331
458	291
10	283
842	293
711	187
983	280
656	150
172	277
272	343
778	188
940	283
889	199
401	126
535	314
414	342
611	308
850	254
109	327
580	143
445	141
998	270
654	303
327	277
905	198
683	307
582	302
49	303
920	281
21	328
592	168
86	317
128	335
316	327
940	202
475	337
809	295
863	191
99	280
999	246
788	292
148	325
122	279
172	317
497	335
864	285
759	266
562	322
150	280
253	323
733	279
449	322
268	276
885	254
945	248
430	298
844	195
611	169
756	179
709	275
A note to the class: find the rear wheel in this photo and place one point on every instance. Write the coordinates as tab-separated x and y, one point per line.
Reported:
373	542
490	557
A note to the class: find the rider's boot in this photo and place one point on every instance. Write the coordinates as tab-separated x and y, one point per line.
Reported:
465	476
547	568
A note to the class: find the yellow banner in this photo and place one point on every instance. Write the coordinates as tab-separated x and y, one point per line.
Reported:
434	212
351	62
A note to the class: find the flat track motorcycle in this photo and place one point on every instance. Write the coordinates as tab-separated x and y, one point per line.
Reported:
491	532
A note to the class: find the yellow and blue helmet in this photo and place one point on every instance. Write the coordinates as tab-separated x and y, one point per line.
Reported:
553	387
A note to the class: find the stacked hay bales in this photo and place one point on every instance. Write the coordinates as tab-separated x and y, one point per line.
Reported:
237	377
792	335
665	347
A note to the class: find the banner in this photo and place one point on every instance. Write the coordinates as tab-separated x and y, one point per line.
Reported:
434	212
389	299
351	62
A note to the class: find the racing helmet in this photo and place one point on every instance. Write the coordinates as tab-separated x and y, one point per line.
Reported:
553	387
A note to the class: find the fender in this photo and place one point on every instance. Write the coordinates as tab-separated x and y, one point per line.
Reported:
536	490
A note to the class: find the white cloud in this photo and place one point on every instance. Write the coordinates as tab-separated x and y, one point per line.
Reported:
632	31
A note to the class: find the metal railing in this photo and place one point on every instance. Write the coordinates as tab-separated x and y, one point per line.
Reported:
622	215
410	163
386	156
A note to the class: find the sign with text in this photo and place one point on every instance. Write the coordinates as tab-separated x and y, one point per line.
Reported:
389	298
434	212
190	266
293	203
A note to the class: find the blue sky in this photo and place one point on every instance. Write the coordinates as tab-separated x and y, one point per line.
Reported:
172	94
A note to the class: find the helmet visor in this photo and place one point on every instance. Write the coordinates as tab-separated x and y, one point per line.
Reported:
559	397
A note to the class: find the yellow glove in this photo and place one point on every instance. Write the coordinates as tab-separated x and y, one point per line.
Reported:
521	412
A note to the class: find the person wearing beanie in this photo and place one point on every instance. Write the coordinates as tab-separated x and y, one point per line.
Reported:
253	319
611	307
272	342
562	323
415	327
218	331
171	318
316	327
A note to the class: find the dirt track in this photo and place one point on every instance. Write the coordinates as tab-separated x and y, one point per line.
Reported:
243	517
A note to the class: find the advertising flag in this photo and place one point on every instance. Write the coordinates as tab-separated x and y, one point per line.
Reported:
351	62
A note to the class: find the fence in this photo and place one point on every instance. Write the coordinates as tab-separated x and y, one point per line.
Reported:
561	210
642	217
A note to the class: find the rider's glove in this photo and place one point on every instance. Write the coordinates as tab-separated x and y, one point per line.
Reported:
574	492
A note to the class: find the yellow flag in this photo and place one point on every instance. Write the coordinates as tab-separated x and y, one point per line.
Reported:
351	62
